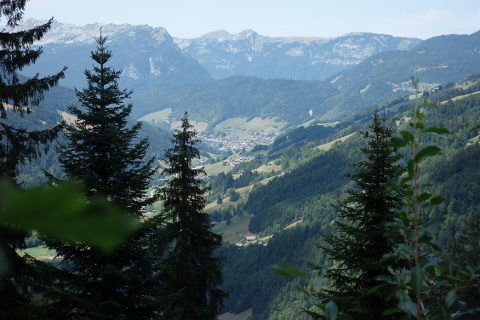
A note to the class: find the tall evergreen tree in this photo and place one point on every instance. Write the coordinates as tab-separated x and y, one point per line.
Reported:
363	216
102	157
196	272
18	145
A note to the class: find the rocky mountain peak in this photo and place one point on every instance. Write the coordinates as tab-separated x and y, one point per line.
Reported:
72	34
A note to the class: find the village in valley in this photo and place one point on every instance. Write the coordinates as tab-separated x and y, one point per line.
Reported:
247	140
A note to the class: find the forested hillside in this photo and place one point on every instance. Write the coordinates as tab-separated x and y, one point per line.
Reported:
307	194
241	97
386	75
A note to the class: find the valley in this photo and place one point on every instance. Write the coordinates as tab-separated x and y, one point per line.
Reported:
282	125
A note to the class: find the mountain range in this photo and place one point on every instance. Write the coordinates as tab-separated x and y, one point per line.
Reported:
359	69
159	60
315	58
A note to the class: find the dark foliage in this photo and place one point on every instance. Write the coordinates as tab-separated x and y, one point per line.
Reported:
17	145
101	156
195	272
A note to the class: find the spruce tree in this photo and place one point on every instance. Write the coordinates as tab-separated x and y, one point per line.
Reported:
195	272
363	217
17	145
101	156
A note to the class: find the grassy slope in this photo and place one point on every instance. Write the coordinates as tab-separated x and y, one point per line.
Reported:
327	146
241	316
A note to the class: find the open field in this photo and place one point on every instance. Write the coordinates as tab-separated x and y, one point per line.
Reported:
157	116
244	189
267	124
241	316
230	123
327	146
238	225
293	224
199	126
209	208
256	124
465	85
475	139
460	97
216	168
265	239
268	168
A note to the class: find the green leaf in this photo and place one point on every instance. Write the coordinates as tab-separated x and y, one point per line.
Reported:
416	279
383	278
433	105
408	307
407	136
331	310
451	297
429	151
406	247
474	128
287	270
375	289
388	256
431	225
436	200
410	167
419	114
428	262
62	213
317	282
424	196
398	142
436	131
391	311
405	180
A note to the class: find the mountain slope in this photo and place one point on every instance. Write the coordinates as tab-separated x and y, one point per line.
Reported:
386	75
293	101
148	57
307	193
251	54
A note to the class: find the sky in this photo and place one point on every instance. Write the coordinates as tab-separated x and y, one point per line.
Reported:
276	18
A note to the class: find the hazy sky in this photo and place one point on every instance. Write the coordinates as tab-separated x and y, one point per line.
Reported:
194	18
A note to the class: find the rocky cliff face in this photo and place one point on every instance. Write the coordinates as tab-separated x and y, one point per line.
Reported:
251	54
148	56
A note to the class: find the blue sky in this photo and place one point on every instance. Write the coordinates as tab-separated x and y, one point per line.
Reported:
306	18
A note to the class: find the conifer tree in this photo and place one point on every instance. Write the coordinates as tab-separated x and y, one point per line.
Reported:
196	272
18	145
102	157
359	243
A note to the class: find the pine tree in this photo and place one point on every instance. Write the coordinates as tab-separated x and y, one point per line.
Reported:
17	145
102	157
359	243
196	272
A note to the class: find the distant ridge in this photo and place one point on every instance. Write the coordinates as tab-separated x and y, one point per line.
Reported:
148	56
300	58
